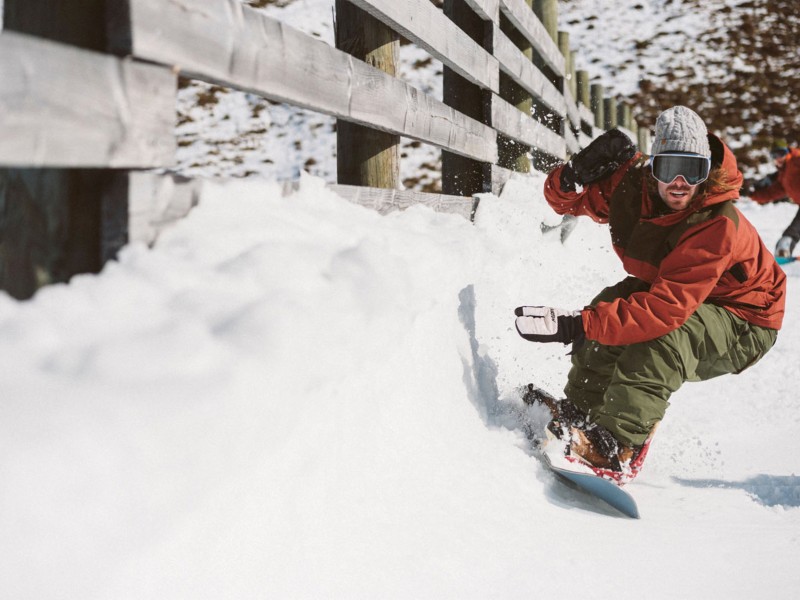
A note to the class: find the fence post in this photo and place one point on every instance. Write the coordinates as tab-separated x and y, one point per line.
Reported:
643	136
563	46
624	115
53	220
598	106
77	22
463	176
365	156
573	74
610	111
511	154
547	11
582	85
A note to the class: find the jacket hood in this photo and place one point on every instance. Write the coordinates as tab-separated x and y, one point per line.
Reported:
728	187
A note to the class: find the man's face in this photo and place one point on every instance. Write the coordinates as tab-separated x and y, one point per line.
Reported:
780	160
678	194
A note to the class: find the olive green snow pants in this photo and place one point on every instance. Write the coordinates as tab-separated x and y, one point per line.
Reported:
626	389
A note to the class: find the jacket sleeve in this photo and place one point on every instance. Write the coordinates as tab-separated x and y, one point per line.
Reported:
791	181
686	277
774	191
591	202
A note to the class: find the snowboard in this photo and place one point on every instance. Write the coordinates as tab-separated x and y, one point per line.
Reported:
607	491
575	474
784	260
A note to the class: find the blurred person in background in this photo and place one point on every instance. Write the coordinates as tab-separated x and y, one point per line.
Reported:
781	185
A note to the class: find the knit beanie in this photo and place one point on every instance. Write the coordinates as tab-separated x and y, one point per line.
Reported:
680	129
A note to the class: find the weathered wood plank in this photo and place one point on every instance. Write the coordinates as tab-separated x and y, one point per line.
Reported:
422	23
573	115
385	201
67	107
587	116
513	123
531	27
488	10
224	42
572	142
522	70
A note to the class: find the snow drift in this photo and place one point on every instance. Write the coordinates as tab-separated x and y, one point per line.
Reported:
294	397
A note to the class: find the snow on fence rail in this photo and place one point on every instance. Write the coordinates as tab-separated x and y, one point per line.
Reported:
87	101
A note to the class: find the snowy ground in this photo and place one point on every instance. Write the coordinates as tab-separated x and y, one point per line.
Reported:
297	398
659	38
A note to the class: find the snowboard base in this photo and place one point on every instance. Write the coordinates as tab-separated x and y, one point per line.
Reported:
605	490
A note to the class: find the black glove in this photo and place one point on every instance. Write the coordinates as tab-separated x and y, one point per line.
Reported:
567	178
545	324
599	159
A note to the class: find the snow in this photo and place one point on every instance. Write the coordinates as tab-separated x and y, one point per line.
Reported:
669	34
294	397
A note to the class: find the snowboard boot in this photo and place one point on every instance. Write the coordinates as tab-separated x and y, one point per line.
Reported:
595	447
565	417
565	414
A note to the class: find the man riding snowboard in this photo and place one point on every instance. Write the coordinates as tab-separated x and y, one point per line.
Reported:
704	297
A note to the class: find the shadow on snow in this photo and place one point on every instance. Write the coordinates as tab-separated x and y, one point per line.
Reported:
480	381
767	490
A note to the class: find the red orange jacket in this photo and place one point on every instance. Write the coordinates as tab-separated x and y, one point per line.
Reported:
786	184
707	253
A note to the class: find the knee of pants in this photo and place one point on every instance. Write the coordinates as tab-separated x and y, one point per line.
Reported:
592	369
637	397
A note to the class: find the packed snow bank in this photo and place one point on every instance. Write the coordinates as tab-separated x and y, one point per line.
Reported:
297	398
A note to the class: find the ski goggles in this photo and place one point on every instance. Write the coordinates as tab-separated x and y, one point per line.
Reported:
694	168
779	152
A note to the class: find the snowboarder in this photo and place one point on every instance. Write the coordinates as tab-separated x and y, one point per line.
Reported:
704	297
784	183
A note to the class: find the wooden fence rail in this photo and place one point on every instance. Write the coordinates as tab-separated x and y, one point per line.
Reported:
92	98
65	106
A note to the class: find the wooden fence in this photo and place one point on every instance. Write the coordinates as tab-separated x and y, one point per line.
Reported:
88	109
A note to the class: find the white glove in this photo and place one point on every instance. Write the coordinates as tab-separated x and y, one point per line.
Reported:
546	324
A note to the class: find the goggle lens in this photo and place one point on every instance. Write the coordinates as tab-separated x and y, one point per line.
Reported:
779	152
667	167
